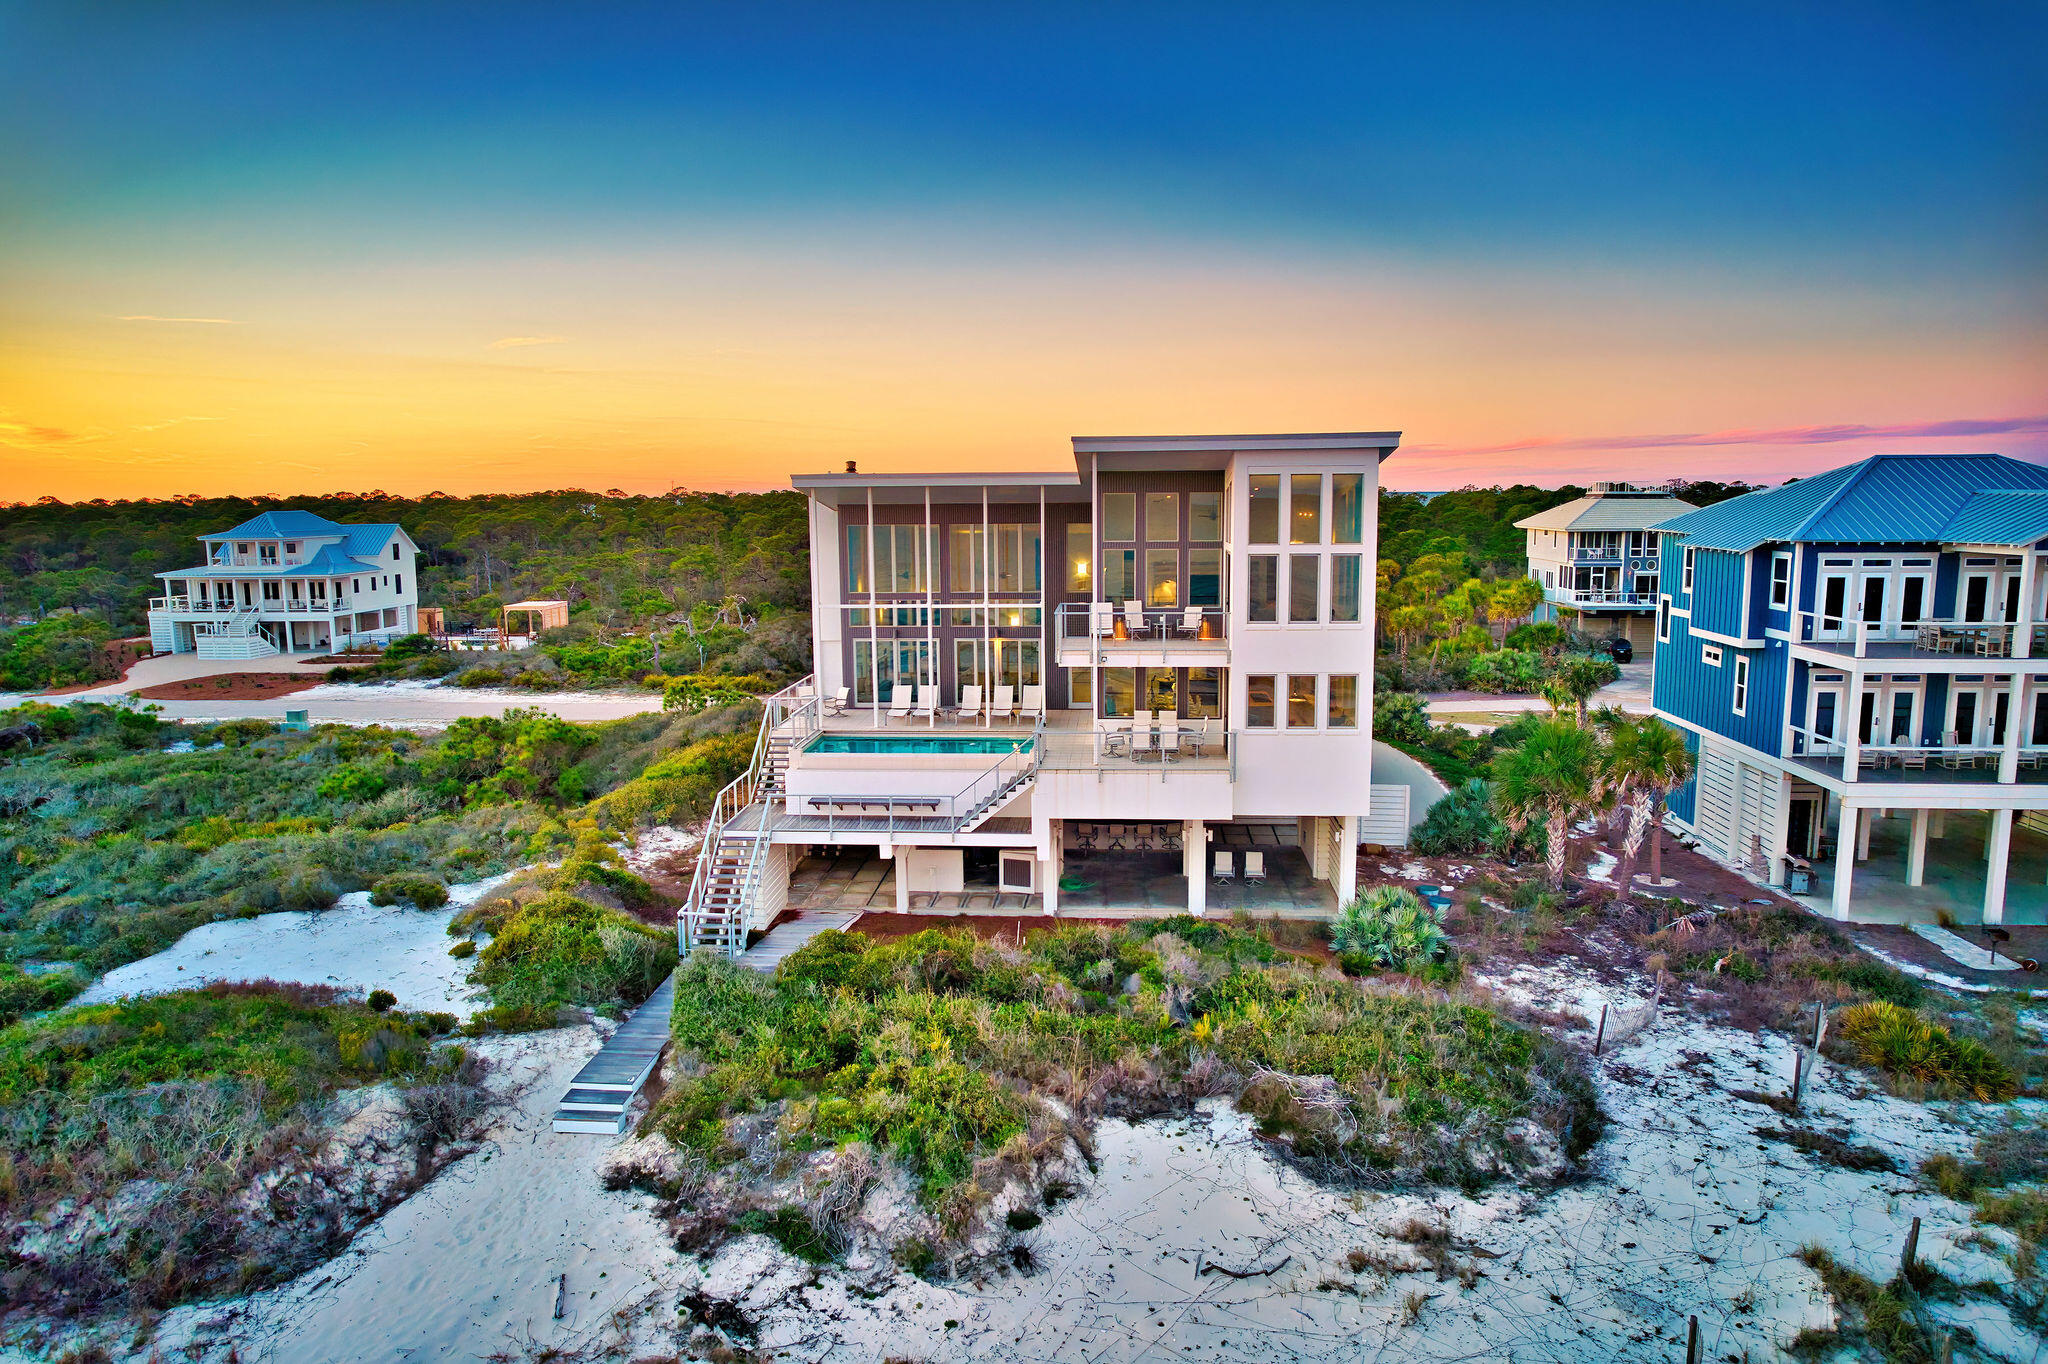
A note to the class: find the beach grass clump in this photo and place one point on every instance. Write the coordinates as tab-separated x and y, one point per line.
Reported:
559	950
415	890
182	1145
970	1064
25	992
1908	1047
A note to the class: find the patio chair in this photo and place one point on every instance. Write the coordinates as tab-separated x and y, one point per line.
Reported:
1084	839
1116	838
1102	619
970	702
1141	837
1191	621
1134	618
1169	735
836	703
927	706
1913	760
1033	707
1255	866
1225	867
899	702
1116	741
1141	738
1005	703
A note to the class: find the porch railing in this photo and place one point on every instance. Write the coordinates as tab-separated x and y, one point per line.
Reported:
1114	624
1928	635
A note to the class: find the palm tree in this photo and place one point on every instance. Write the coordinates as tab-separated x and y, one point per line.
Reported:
1549	779
1574	683
1648	759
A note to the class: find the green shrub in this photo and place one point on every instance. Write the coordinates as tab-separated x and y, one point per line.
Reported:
353	783
1461	823
463	949
1505	670
381	1000
23	993
409	888
1399	715
1903	1044
562	950
1390	927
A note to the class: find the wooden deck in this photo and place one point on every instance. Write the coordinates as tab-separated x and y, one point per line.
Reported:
602	1091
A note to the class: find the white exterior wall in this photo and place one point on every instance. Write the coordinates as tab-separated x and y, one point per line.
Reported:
1283	773
828	622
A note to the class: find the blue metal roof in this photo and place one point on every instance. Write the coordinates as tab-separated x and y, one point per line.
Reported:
1886	499
2006	518
369	541
280	523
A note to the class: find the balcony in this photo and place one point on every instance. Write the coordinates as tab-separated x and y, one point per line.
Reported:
1134	636
1600	599
202	606
1901	763
254	561
1928	645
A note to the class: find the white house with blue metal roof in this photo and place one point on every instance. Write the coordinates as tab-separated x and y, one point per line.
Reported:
1597	561
1856	660
289	582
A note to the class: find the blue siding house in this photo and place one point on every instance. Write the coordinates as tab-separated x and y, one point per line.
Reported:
1857	662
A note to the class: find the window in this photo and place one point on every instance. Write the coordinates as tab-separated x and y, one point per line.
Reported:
966	566
1265	509
1205	517
1688	568
1204	694
355	584
1120	575
1303	585
1345	573
398	582
1262	588
292	547
1119	516
1080	550
1258	702
1119	691
1301	701
394	548
1205	577
1347	509
1162	690
270	592
1343	703
1162	577
857	559
1305	524
1741	684
1781	581
1080	687
1162	516
1017	557
967	669
1912	599
905	566
1710	654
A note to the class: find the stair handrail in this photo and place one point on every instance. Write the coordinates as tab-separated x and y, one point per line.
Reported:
1033	755
737	795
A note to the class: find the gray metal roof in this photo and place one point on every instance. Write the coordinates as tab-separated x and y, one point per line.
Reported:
1886	499
1607	511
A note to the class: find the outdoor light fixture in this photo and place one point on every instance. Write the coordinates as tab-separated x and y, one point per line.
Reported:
1207	630
1120	629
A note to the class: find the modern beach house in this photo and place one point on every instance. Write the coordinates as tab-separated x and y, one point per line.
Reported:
1146	679
1597	560
289	582
1857	659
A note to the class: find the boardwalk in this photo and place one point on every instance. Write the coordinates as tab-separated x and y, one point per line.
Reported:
765	955
601	1092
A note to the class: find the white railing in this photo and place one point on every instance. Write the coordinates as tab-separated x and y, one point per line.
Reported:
1113	625
934	813
1976	638
1572	596
290	606
1903	756
255	561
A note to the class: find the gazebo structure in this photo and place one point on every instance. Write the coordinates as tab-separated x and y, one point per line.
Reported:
542	615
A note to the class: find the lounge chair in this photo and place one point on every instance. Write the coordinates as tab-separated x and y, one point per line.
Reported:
1005	704
927	706
899	702
1254	865
836	704
970	702
1225	867
1134	618
1033	707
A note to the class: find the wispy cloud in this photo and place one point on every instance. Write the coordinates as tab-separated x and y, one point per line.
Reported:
512	342
26	435
174	421
152	317
1784	435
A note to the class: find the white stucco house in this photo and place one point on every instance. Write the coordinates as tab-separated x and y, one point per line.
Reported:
289	582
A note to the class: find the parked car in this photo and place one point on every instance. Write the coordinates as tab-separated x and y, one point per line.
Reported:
1618	649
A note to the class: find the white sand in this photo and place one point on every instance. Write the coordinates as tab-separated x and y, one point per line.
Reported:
355	944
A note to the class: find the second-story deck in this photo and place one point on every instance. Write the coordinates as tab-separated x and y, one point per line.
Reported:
1127	635
1929	645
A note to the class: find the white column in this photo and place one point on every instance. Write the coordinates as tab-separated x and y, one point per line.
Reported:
2015	708
1864	819
1347	859
1852	726
1194	858
1999	846
1050	867
2023	627
1845	861
1916	851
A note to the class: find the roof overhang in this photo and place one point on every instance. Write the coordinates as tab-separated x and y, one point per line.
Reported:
839	490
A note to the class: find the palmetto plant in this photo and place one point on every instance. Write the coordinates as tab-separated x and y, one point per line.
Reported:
1550	779
1390	925
1646	760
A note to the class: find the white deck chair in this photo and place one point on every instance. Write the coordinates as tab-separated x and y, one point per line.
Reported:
1005	703
1102	619
1033	707
899	702
1225	868
1141	735
970	702
835	704
1254	865
1169	736
1134	617
927	702
1191	621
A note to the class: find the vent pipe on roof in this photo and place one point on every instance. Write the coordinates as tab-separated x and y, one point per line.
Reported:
851	468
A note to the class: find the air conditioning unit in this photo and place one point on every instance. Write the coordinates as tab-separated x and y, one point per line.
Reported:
1017	873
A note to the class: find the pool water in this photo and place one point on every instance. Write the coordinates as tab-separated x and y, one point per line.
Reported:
990	744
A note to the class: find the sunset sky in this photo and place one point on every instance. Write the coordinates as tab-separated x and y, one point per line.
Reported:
299	247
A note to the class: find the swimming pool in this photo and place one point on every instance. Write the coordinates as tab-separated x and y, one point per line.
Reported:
989	744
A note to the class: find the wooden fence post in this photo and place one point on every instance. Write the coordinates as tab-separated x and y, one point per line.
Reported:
1912	1247
1600	1036
1798	1076
1692	1340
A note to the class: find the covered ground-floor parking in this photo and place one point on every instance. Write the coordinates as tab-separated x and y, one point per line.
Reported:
1926	866
1105	871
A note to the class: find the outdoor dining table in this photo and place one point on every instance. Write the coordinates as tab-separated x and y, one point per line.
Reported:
1945	636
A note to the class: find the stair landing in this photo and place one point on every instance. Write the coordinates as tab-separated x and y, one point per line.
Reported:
767	954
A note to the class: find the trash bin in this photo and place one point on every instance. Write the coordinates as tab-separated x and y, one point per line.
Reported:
1799	880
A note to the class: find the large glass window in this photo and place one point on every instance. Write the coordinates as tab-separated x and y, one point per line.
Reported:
1347	509
967	667
1162	516
1080	551
1262	588
1119	692
1301	701
1205	517
1258	702
1080	687
907	571
1162	690
1343	703
856	558
1119	575
1205	577
1017	556
1302	587
1162	577
1345	574
966	568
1119	516
1204	694
1265	509
1305	514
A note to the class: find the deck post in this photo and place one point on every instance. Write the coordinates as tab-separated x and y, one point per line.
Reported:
1194	864
1995	857
1346	879
1845	860
1916	851
1864	819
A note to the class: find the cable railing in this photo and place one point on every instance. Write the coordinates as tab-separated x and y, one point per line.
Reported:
929	812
